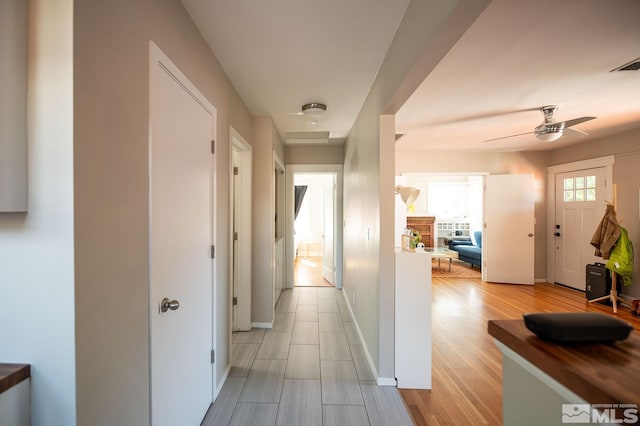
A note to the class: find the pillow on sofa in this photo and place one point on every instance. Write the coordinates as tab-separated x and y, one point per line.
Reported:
477	238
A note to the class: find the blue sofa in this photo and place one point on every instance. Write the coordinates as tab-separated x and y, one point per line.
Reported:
468	251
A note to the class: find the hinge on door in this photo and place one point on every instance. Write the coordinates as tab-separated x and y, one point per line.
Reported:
235	171
213	252
235	300
213	146
213	356
235	236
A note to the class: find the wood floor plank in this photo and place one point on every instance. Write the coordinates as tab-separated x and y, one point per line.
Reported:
385	406
467	366
340	384
345	415
334	346
305	333
303	362
252	414
264	383
275	345
300	403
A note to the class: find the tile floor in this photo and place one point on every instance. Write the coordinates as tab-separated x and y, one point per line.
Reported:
309	369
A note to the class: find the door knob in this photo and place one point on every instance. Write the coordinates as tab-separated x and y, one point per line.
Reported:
530	234
167	304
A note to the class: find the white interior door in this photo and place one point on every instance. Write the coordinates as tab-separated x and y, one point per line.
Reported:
580	204
328	257
508	240
180	239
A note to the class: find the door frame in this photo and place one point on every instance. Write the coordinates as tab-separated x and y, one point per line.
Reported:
291	171
243	149
607	162
157	56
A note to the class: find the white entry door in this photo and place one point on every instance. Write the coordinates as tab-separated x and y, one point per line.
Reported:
328	258
580	204
508	240
181	268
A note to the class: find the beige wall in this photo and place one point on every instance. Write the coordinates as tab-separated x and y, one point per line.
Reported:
266	142
111	194
305	154
426	33
493	163
626	174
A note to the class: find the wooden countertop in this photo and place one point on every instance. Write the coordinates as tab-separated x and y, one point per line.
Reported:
598	373
12	374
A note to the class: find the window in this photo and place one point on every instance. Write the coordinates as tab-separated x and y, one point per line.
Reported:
578	189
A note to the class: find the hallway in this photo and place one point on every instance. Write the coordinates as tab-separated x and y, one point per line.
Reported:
308	369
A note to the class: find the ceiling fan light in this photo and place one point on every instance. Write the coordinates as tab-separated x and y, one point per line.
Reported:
549	136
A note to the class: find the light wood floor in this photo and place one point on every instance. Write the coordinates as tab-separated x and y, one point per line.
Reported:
467	369
307	272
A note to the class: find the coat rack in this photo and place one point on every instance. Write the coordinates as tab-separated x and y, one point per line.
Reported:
613	295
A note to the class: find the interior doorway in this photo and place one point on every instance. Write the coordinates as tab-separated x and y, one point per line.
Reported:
240	214
314	225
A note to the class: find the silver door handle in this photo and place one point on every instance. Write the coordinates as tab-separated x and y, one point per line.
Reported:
167	304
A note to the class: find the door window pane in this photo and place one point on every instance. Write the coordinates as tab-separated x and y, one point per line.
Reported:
578	189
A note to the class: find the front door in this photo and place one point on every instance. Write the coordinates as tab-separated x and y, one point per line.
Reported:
508	240
180	264
580	204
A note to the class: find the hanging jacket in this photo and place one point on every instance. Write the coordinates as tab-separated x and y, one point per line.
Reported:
607	233
621	260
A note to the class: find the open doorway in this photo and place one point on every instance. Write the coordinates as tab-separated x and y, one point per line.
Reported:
314	226
448	215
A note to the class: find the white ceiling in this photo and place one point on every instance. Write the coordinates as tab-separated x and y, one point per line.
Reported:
521	55
281	54
518	56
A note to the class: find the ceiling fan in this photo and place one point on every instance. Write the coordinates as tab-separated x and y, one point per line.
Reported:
551	130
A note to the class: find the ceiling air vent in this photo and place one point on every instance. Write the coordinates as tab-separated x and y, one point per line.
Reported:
629	66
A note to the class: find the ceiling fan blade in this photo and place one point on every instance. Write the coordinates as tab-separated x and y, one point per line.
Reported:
575	121
574	132
510	136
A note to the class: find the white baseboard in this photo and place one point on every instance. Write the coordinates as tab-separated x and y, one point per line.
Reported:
540	280
262	324
372	366
387	381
